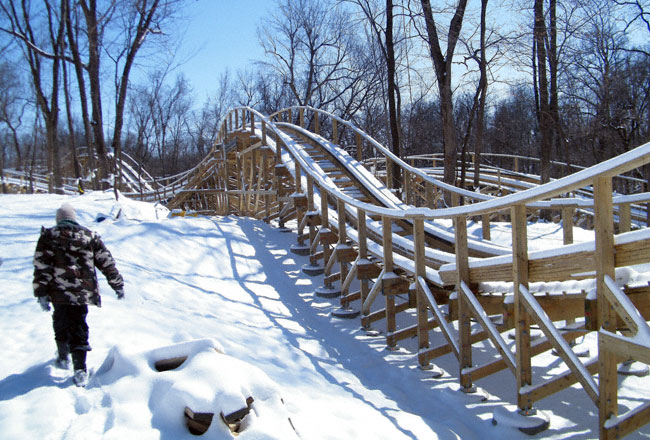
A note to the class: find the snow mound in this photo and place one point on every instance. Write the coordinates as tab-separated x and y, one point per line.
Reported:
134	210
164	385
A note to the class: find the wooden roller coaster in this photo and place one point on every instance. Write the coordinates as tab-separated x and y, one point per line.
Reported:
322	175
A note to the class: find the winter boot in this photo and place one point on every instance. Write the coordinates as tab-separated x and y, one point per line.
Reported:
80	378
79	360
63	359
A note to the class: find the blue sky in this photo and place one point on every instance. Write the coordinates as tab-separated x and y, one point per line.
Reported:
223	35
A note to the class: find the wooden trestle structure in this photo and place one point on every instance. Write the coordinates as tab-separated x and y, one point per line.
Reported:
361	232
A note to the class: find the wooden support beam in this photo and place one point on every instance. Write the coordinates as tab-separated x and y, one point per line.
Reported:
464	324
381	314
524	372
604	231
421	300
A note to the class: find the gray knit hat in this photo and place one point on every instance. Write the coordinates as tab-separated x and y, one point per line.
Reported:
66	212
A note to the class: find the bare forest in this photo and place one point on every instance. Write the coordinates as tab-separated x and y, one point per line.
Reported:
564	81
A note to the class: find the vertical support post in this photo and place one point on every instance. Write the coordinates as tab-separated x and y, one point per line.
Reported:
335	132
265	183
464	323
407	187
567	224
301	117
428	194
316	123
624	218
387	240
485	226
278	180
420	268
522	319
607	362
263	132
289	117
389	174
298	178
359	148
340	208
363	249
324	214
252	117
310	207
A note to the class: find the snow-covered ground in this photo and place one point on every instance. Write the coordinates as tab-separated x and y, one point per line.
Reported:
227	293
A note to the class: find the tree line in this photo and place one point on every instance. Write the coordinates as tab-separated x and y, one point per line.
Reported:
560	80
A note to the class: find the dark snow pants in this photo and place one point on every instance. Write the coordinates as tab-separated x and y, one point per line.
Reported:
70	328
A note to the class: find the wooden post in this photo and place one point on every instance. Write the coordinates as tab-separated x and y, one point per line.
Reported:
252	117
324	214
387	240
567	224
289	117
263	132
516	167
335	132
265	181
607	362
464	314
310	208
316	123
420	271
485	226
340	208
428	194
389	173
363	249
624	218
359	148
298	178
522	319
277	179
407	187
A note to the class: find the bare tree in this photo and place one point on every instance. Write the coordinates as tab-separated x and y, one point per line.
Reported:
12	109
41	51
442	65
308	46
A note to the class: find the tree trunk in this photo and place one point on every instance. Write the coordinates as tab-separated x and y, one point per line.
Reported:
544	109
442	66
483	84
97	123
392	107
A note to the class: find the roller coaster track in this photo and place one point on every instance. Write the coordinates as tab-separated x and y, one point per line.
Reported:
294	168
274	168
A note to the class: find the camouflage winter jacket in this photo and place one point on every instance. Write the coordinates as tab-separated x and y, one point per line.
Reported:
64	265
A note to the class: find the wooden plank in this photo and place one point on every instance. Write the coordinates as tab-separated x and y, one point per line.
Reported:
558	383
627	423
572	266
